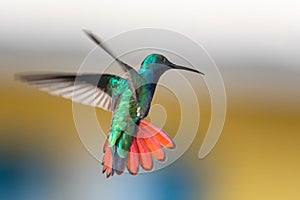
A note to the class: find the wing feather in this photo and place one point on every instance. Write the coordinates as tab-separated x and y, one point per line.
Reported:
89	89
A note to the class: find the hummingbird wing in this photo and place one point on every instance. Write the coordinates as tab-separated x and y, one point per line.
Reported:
89	89
127	68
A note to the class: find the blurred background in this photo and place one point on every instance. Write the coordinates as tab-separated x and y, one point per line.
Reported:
256	46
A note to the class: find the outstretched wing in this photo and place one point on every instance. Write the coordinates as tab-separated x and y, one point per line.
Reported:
127	68
89	89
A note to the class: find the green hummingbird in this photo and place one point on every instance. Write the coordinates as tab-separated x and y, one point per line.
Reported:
132	140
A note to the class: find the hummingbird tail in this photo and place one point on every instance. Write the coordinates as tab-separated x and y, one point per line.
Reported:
147	143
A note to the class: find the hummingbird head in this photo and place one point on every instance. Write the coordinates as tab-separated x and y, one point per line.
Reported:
157	62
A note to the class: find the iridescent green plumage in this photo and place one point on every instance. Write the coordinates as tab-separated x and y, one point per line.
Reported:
128	111
124	120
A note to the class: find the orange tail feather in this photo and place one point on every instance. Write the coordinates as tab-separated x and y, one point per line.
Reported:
133	158
158	133
148	142
107	160
145	156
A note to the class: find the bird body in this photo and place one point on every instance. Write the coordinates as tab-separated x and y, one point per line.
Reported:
132	140
129	112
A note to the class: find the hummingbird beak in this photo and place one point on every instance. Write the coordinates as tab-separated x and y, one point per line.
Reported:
172	65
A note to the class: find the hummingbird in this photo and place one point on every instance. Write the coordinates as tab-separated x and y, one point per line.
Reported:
132	140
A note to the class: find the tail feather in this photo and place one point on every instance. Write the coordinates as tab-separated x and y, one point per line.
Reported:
145	155
154	147
133	158
158	133
107	160
147	143
119	164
